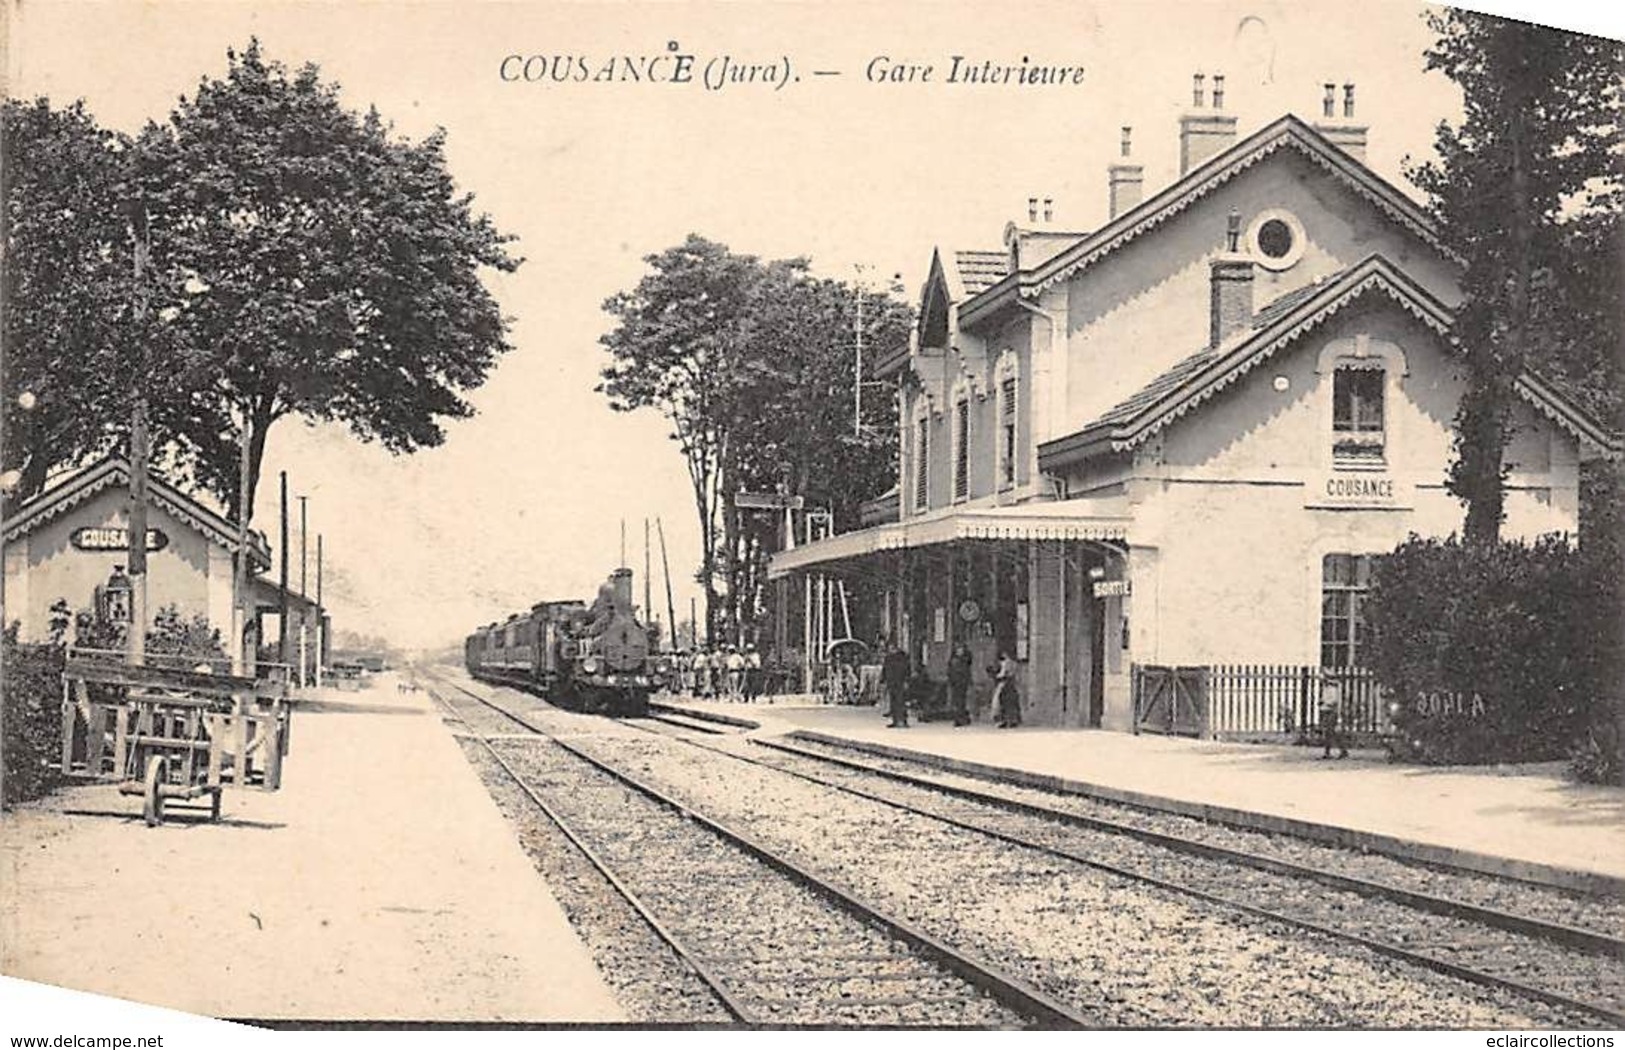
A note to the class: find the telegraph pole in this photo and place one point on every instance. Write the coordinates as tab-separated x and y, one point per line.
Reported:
857	367
282	627
321	623
665	570
304	600
241	604
648	604
136	639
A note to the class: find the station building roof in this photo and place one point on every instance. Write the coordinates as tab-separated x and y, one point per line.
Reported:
114	472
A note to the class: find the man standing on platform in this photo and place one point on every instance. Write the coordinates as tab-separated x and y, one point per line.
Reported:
700	672
894	673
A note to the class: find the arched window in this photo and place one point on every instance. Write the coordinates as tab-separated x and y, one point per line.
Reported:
1007	446
1361	380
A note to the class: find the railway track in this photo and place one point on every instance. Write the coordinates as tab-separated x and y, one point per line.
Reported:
1566	966
776	944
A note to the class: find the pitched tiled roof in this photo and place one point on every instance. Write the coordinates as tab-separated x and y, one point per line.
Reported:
981	270
1128	410
1148	395
1288	132
1278	308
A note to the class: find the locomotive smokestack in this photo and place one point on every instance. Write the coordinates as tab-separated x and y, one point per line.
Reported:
621	581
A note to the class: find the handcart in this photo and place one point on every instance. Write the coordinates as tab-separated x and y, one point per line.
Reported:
166	733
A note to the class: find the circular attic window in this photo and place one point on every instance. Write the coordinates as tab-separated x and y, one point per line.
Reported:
1277	239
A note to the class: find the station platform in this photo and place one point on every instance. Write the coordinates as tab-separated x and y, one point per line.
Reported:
1527	821
380	884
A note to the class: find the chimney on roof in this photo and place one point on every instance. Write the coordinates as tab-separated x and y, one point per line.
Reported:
1049	209
1342	131
1231	284
1204	133
1125	181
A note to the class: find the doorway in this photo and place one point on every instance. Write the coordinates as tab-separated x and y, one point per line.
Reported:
1086	615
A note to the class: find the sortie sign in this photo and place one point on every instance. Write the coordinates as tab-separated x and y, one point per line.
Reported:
103	538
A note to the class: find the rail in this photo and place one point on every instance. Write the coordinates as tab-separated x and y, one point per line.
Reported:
1569	937
1003	987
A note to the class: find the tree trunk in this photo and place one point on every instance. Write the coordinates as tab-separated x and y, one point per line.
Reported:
1487	508
1616	666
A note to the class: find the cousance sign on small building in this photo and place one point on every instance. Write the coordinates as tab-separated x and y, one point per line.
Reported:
106	538
1348	490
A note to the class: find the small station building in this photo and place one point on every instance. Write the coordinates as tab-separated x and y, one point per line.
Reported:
1166	449
70	542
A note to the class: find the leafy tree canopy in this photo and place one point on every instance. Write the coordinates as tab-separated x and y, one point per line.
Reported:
1527	189
753	363
304	261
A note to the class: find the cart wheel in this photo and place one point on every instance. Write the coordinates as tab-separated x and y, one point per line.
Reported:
214	805
153	802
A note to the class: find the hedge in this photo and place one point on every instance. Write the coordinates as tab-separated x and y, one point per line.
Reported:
31	691
1497	653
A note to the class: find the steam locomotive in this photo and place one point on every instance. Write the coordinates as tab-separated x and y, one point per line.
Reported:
599	658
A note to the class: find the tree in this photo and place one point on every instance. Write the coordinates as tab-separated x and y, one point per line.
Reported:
341	266
1528	189
752	363
305	261
678	347
66	289
798	432
1538	143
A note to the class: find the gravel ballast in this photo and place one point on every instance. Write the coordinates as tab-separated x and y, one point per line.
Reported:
1133	955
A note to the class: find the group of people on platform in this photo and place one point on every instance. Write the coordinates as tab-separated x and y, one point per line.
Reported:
904	682
723	672
732	673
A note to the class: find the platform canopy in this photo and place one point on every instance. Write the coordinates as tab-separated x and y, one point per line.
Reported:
1076	519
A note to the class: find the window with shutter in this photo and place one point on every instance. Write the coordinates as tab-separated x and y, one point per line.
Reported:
961	450
1007	433
922	450
1357	415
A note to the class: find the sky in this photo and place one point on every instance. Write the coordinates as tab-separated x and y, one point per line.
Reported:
524	501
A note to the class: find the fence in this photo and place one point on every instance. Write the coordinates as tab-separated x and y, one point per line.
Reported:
1234	700
216	664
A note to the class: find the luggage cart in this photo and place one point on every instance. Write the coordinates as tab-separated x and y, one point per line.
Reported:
168	733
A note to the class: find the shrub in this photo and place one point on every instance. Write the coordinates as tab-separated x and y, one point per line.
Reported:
31	690
172	636
1492	653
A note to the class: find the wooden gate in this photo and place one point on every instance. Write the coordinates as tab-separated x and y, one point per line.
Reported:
1171	700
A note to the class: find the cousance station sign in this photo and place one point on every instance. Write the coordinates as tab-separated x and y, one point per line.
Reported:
1374	490
104	538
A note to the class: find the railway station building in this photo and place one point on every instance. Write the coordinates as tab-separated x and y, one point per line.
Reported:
1169	446
70	542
